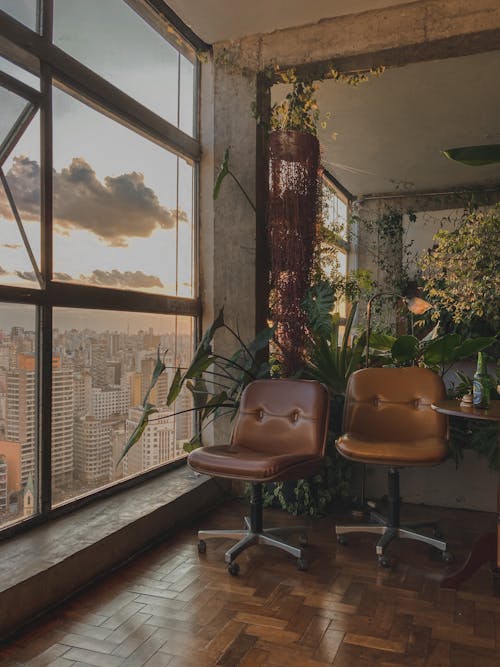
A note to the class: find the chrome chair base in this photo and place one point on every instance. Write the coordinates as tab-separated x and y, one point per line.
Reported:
379	525
247	537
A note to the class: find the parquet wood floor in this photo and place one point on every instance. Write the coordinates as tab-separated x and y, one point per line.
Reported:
173	607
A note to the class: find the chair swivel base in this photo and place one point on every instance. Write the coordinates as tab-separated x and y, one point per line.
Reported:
254	533
389	527
388	533
247	537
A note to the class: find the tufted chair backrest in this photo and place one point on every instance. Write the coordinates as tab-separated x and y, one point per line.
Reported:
394	404
283	416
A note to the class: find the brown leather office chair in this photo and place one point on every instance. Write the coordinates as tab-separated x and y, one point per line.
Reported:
388	420
279	434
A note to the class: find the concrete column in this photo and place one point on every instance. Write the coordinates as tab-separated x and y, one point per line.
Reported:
227	225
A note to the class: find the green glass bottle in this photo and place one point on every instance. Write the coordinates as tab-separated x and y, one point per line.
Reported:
481	384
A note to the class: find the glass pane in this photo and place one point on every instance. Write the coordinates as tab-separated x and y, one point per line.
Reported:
111	39
19	73
103	363
115	203
18	450
185	231
186	96
12	106
22	171
334	212
24	11
341	216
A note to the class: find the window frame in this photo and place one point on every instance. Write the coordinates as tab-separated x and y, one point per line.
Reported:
36	53
343	245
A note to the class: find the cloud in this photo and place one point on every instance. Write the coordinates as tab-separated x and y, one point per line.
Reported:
24	182
116	278
62	276
115	210
11	246
26	275
3	272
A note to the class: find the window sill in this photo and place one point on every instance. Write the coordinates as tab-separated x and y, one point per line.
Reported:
44	566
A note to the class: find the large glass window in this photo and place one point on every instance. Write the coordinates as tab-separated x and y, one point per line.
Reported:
334	219
118	220
112	40
20	196
97	247
102	365
25	11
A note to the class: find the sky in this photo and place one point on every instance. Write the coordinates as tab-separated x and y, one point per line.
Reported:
122	204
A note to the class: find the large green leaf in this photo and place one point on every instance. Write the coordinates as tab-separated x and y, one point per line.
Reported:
381	341
441	350
223	172
217	401
158	370
405	349
199	365
175	387
206	341
261	340
192	444
472	346
199	390
318	306
139	429
474	156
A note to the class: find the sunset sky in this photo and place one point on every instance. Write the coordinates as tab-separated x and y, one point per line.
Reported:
116	194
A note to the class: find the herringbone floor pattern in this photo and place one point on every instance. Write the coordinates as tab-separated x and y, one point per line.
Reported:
173	607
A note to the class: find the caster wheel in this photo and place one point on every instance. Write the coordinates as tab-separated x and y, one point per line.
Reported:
383	561
302	564
447	557
202	547
342	539
437	534
233	569
303	541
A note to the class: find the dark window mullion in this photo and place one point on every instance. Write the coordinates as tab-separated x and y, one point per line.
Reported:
44	356
74	77
45	22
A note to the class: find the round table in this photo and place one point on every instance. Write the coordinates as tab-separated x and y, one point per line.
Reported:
487	547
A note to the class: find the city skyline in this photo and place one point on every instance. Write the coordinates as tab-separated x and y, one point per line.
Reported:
14	314
99	380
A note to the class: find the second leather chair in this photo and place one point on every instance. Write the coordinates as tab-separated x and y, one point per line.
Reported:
389	421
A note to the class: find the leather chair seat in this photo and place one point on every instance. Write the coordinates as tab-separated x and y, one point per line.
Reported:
246	464
417	452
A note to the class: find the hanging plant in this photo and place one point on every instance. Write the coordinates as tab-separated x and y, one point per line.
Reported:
294	160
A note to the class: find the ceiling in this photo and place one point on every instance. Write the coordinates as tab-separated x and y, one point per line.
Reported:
392	129
218	20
